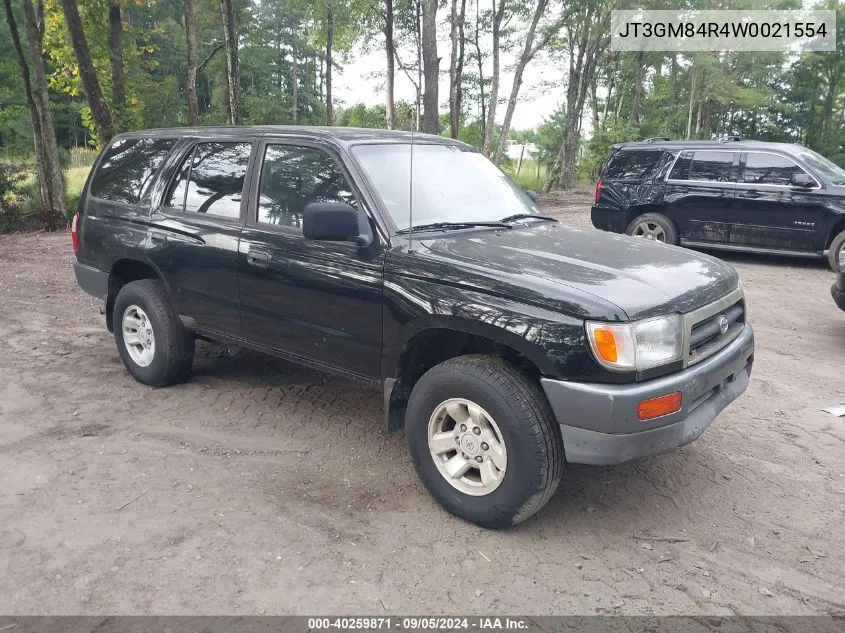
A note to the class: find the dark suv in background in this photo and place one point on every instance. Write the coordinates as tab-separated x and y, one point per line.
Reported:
728	194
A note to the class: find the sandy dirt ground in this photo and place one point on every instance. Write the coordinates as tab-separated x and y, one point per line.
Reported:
259	487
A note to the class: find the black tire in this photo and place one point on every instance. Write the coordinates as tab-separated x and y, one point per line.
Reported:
833	254
174	345
530	433
668	227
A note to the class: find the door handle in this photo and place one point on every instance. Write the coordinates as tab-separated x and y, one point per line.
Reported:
260	259
158	237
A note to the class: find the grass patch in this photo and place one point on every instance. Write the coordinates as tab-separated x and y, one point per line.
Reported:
75	178
529	177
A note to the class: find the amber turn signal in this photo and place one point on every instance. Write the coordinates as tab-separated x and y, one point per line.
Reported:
663	405
606	345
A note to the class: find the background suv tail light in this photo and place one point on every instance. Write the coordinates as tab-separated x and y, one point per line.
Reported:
74	232
598	190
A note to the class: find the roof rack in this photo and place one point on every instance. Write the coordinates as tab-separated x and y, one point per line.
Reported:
656	139
728	139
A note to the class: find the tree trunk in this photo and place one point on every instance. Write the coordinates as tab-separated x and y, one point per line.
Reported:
414	83
418	40
294	71
329	45
38	102
103	123
829	99
698	116
619	102
118	77
34	115
481	98
528	52
232	68
191	81
580	76
431	66
390	106
634	117
673	86
498	15
456	67
459	79
453	69
691	104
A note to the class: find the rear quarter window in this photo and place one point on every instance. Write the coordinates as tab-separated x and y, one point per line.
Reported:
127	168
632	164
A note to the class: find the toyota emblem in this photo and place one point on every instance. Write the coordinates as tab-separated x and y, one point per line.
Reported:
723	324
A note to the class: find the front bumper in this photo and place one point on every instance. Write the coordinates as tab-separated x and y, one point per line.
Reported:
837	290
599	422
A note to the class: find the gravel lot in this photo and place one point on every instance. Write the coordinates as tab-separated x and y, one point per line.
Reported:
262	487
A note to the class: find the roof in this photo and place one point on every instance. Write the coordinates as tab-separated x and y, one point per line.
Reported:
345	135
717	144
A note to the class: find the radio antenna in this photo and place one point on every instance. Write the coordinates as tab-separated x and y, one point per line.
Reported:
411	196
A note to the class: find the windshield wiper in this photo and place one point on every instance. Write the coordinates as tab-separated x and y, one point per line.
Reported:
527	216
446	226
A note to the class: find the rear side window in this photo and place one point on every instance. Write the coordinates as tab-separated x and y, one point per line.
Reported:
632	164
211	180
704	166
769	169
127	168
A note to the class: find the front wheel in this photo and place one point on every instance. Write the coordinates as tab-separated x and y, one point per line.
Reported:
837	252
484	441
152	342
653	226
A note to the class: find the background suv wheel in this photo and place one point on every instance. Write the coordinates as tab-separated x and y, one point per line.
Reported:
653	226
836	252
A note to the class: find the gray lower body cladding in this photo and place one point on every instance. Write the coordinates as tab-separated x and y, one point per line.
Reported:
600	424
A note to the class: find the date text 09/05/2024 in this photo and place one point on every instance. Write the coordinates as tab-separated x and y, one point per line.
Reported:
418	623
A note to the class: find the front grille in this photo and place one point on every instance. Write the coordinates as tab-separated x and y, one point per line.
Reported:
704	335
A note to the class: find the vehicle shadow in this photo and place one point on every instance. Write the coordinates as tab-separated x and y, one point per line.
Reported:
648	494
654	494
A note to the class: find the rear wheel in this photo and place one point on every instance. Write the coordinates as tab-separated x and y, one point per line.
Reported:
836	252
152	342
653	226
484	441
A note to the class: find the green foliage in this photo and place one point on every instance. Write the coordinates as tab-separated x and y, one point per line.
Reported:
360	115
768	96
375	117
13	185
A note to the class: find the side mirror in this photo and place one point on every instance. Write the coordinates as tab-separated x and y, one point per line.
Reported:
534	196
336	222
802	180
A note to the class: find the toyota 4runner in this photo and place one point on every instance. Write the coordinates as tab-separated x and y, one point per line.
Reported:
505	343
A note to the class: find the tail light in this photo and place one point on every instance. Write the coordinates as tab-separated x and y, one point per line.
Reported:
74	232
598	190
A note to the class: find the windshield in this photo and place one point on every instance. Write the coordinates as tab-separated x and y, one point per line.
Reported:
451	184
828	169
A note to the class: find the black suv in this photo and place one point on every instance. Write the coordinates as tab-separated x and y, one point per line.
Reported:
729	194
505	343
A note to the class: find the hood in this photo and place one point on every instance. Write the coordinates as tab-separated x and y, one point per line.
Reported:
584	272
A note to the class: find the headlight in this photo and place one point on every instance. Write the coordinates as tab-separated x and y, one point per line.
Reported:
637	345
